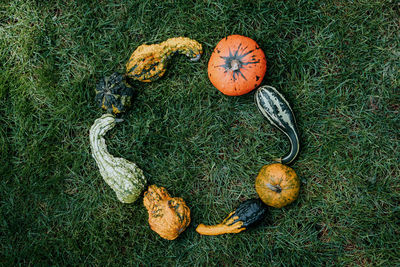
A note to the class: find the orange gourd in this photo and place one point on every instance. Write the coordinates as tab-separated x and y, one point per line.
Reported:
237	65
168	216
277	185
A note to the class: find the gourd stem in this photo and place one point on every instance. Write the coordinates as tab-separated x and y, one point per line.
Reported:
197	58
275	188
235	65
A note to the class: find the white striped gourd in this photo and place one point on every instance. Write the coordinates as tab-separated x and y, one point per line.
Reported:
123	176
277	110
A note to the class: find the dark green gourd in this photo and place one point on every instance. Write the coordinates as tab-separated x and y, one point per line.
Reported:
277	110
114	94
250	212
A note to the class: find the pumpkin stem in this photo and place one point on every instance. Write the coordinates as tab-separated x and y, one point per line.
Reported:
235	64
275	188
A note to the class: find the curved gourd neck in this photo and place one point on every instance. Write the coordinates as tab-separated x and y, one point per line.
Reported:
181	45
294	148
99	130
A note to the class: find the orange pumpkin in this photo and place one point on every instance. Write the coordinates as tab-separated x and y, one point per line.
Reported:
277	185
237	65
168	216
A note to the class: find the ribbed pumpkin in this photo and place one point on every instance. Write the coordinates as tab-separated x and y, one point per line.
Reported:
277	185
237	65
123	176
114	94
247	214
168	216
148	62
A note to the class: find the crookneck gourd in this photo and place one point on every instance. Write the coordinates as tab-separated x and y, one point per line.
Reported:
168	216
237	65
114	94
123	176
148	62
247	214
277	185
277	110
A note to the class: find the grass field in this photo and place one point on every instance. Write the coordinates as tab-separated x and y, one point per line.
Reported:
337	63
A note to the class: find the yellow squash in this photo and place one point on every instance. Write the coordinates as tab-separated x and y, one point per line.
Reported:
148	62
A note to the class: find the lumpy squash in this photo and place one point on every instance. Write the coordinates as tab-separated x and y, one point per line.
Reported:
168	216
149	62
123	176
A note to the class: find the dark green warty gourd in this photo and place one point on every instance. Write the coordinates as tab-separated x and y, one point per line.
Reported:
114	94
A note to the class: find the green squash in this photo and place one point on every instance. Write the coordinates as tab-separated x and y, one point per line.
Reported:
249	213
277	110
114	94
123	176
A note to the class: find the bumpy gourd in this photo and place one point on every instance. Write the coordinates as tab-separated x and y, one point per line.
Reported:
277	110
277	185
247	214
168	216
114	94
148	62
123	176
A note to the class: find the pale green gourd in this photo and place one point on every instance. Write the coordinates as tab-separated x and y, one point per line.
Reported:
123	176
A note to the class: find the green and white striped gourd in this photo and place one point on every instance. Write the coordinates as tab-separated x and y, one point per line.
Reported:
123	176
277	110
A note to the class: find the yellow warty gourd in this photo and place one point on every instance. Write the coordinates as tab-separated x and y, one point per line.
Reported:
148	62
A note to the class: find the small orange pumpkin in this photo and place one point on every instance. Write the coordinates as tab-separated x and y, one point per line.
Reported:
168	216
237	65
277	185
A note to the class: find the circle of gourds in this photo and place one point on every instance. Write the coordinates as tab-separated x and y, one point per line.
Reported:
236	67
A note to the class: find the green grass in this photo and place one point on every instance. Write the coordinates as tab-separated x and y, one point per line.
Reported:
337	63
